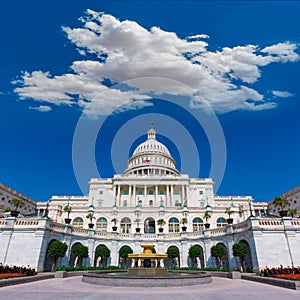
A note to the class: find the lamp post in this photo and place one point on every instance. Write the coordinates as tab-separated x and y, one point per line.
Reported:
250	207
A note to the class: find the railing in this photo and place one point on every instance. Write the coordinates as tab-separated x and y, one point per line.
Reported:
270	222
241	226
57	226
218	231
3	222
195	234
80	231
26	222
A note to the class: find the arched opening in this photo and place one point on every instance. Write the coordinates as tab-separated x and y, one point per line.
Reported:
75	261
173	260
124	261
196	257
197	224
78	222
173	225
221	222
248	257
222	262
125	225
102	256
149	225
101	224
49	260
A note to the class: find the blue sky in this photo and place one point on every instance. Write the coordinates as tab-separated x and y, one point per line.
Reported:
234	64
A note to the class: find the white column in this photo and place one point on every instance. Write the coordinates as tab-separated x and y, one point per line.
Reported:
171	196
129	195
168	195
182	195
145	194
156	196
134	193
114	193
119	195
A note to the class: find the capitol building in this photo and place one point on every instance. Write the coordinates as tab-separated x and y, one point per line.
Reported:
153	203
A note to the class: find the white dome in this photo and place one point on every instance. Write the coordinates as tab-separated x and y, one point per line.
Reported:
151	158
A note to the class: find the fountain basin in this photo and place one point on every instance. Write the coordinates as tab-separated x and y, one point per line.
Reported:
122	278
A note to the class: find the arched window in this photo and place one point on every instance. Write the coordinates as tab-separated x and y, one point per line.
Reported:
173	225
125	203
197	224
78	222
151	203
125	225
101	224
221	222
140	202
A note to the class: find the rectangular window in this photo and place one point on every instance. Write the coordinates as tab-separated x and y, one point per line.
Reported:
140	192
150	192
200	192
176	192
161	192
100	204
125	192
101	192
201	204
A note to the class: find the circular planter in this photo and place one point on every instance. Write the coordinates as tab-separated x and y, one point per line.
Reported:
91	225
160	230
137	229
183	228
114	228
283	213
206	225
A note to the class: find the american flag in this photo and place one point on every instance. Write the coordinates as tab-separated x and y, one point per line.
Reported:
147	161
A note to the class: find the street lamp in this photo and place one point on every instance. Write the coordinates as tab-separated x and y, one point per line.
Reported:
250	207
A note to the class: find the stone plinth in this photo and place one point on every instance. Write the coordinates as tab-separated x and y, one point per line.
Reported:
147	272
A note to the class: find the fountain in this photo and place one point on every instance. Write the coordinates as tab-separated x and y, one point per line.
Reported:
147	271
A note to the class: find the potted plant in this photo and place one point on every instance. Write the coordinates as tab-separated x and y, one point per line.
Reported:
161	223
68	209
184	221
90	216
229	212
114	228
278	201
207	216
292	212
137	221
17	203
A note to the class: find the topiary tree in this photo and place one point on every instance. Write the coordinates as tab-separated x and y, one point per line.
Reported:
103	252
79	252
218	251
56	249
240	250
123	253
194	252
173	254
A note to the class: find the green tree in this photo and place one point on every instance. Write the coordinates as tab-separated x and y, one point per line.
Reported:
56	249
68	209
103	252
79	252
17	203
229	211
90	216
218	251
207	216
240	250
278	201
292	212
123	253
194	252
173	253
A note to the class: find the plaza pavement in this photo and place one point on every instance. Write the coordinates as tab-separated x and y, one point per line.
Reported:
73	288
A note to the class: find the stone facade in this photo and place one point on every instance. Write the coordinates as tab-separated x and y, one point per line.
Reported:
151	188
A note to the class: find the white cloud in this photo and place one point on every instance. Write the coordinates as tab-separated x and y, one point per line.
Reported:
282	94
124	50
41	108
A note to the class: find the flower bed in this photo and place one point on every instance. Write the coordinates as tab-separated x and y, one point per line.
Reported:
288	276
15	271
290	273
11	275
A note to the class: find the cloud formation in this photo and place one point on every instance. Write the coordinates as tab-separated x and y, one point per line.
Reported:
282	94
115	51
41	108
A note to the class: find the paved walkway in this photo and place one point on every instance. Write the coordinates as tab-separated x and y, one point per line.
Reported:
73	288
